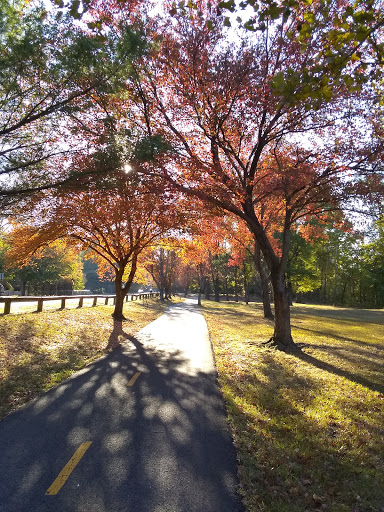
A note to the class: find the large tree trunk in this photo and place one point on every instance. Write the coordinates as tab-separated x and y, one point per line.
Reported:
121	291
119	302
264	281
282	337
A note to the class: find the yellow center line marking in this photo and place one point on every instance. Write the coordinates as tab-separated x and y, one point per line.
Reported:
68	468
134	379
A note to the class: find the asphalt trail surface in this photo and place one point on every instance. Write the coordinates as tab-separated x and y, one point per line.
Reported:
154	423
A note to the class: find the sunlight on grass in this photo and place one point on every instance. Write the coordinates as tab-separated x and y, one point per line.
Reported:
308	425
39	350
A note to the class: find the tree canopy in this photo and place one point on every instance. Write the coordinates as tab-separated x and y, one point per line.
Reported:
114	225
260	125
54	79
276	123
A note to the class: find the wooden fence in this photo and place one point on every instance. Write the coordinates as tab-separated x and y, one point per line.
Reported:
40	300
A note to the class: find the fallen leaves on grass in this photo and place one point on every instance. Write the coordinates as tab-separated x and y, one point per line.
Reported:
37	351
308	426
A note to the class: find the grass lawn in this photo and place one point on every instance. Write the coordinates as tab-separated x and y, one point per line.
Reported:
39	350
308	426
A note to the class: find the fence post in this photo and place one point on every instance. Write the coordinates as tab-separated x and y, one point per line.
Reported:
63	303
106	300
7	306
94	301
81	302
39	305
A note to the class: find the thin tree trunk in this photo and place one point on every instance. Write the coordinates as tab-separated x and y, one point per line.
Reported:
167	291
245	283
161	275
360	291
200	279
335	278
216	286
236	294
325	279
344	289
264	283
207	289
290	293
151	270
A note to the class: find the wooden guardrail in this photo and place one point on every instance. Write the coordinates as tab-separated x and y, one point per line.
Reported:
63	298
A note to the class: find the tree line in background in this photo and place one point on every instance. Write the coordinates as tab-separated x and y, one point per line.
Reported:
336	268
180	138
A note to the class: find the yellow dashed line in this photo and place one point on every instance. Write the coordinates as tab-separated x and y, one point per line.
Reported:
134	379
68	468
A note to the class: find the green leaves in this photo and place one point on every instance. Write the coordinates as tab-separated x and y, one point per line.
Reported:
50	71
149	148
74	10
229	5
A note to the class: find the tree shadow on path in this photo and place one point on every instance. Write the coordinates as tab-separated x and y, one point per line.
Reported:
161	444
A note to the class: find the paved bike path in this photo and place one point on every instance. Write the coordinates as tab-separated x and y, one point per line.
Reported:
154	423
